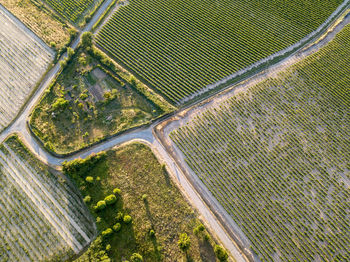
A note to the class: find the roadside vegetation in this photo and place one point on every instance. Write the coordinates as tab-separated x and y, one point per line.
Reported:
91	100
140	213
179	47
276	156
43	22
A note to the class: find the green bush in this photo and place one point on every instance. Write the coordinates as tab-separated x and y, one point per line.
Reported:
87	199
60	104
184	242
89	179
116	191
101	205
111	199
79	167
152	233
127	219
86	40
119	216
220	253
117	227
136	257
106	233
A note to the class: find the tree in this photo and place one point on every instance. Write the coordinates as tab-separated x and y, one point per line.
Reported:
86	40
184	242
136	257
111	199
220	253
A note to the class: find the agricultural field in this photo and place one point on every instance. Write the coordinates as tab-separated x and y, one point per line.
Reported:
73	10
145	212
24	59
180	47
40	20
89	102
42	214
276	156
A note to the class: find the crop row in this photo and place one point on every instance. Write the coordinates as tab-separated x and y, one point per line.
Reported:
72	9
42	215
276	157
24	58
180	47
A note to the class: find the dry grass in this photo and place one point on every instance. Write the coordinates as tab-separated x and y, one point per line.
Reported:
40	20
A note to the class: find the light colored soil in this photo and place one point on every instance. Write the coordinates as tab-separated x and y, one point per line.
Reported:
40	21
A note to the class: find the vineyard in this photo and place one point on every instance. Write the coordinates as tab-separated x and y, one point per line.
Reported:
24	58
73	10
276	156
42	216
179	47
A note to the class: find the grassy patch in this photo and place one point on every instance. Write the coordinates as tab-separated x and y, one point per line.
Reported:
87	103
158	211
49	27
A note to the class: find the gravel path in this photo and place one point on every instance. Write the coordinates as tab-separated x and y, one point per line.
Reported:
148	137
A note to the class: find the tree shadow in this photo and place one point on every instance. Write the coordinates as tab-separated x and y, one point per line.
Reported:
153	238
166	176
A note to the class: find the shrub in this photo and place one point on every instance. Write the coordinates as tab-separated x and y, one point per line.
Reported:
89	179
101	205
117	227
111	199
184	242
119	216
152	233
199	229
106	233
108	247
136	257
79	167
86	40
220	253
116	191
87	199
60	104
127	219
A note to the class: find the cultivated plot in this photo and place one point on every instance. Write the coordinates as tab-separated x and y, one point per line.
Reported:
72	10
24	58
42	216
276	156
180	47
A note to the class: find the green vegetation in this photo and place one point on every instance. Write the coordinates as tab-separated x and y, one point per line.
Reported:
91	100
131	228
179	47
276	156
73	10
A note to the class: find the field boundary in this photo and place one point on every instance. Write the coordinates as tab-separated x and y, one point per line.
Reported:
163	130
267	62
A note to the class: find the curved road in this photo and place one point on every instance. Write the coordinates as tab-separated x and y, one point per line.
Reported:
143	135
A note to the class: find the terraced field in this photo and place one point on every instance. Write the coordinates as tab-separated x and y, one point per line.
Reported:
181	47
276	156
24	58
42	215
72	10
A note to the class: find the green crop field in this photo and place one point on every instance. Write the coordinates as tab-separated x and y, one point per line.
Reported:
72	10
276	156
179	47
